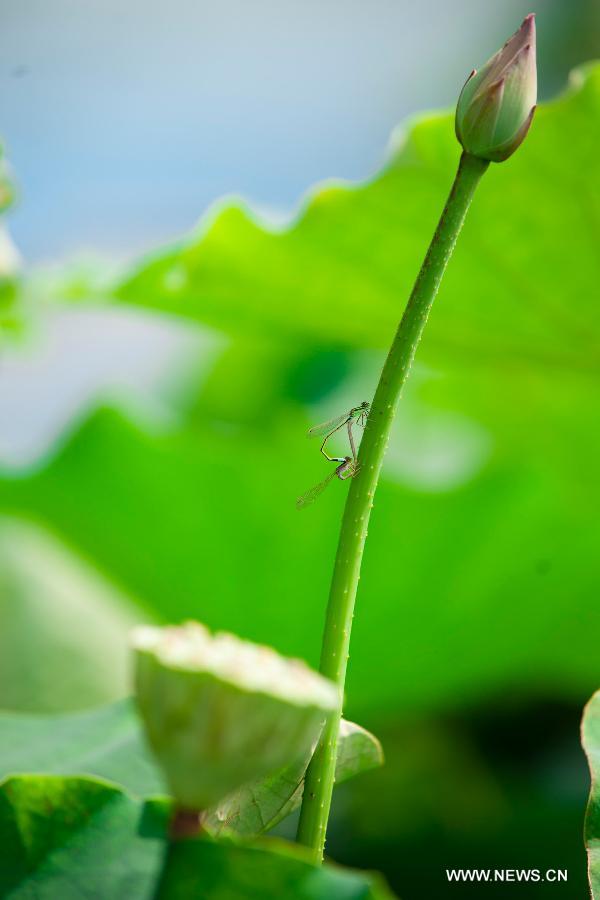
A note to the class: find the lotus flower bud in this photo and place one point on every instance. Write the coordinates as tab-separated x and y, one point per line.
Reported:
497	103
220	712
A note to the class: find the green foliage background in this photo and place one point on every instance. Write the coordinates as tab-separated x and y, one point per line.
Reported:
477	620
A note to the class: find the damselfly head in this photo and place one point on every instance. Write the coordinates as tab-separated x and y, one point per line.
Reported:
364	409
357	411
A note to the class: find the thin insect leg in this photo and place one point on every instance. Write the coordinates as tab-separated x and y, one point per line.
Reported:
349	470
350	423
325	439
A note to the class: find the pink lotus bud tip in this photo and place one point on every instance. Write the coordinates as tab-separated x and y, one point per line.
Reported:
496	104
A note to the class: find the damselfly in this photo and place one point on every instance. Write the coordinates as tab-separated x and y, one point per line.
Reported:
358	414
347	469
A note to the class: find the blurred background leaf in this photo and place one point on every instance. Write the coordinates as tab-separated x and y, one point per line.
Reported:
340	274
63	642
261	872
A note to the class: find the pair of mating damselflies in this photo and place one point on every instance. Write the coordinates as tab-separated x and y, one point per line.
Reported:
347	465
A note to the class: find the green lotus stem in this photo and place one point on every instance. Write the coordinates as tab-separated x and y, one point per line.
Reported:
340	611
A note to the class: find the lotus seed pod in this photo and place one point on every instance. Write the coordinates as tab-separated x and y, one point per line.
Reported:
497	103
220	712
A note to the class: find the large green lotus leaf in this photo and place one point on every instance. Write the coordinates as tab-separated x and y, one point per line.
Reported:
486	584
519	290
591	745
108	743
207	870
78	837
81	837
517	311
